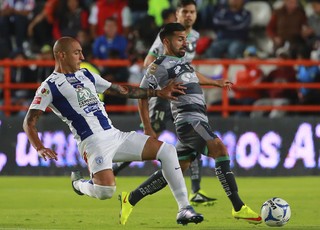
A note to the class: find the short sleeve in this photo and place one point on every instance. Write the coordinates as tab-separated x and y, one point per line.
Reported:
100	83
42	98
154	77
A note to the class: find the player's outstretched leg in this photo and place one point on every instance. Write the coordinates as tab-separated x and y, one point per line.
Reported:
87	187
188	215
198	196
247	214
76	176
125	207
170	174
117	167
153	184
228	182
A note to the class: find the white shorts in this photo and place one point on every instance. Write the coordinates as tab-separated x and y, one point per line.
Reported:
101	149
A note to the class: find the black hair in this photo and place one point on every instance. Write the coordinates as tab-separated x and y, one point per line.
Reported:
183	3
167	12
169	29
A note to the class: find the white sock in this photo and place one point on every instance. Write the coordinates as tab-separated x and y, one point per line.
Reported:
171	171
86	187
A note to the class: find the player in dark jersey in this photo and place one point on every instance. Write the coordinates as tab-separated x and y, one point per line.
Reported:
191	123
159	109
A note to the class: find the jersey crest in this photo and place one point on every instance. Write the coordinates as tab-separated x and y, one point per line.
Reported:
85	97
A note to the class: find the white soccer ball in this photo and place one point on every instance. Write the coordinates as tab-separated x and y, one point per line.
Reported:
275	212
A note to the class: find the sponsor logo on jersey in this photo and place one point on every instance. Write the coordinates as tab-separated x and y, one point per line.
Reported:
72	79
45	91
36	101
91	108
99	160
85	97
152	69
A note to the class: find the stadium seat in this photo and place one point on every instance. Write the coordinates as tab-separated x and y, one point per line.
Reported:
261	13
277	4
308	9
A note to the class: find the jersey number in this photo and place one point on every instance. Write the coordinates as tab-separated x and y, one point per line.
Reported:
159	115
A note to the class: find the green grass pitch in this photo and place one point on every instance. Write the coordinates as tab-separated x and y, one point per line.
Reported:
50	203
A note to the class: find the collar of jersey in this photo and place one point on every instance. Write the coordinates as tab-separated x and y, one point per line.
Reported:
173	57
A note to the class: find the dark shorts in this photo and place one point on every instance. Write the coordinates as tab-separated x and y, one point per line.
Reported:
193	139
161	114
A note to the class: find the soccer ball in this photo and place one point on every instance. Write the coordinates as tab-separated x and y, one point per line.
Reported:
275	212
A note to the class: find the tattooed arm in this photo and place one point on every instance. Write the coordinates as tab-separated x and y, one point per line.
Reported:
130	91
136	92
29	126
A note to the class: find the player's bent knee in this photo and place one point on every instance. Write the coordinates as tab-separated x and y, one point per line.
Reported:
104	192
166	150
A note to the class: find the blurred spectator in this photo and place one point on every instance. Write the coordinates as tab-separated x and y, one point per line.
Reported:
286	25
40	27
138	10
112	46
42	72
155	9
104	9
307	74
84	39
145	38
231	24
186	14
251	75
110	41
277	96
21	74
14	20
119	74
168	16
141	38
70	19
311	32
135	77
206	9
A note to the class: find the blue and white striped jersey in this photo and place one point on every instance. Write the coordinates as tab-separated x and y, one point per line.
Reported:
74	99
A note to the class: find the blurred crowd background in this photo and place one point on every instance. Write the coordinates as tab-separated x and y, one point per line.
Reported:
126	29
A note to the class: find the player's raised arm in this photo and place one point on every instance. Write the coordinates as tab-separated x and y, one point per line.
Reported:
203	80
129	91
29	126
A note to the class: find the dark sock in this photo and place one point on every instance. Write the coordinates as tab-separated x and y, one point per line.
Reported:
228	181
195	174
119	166
153	184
